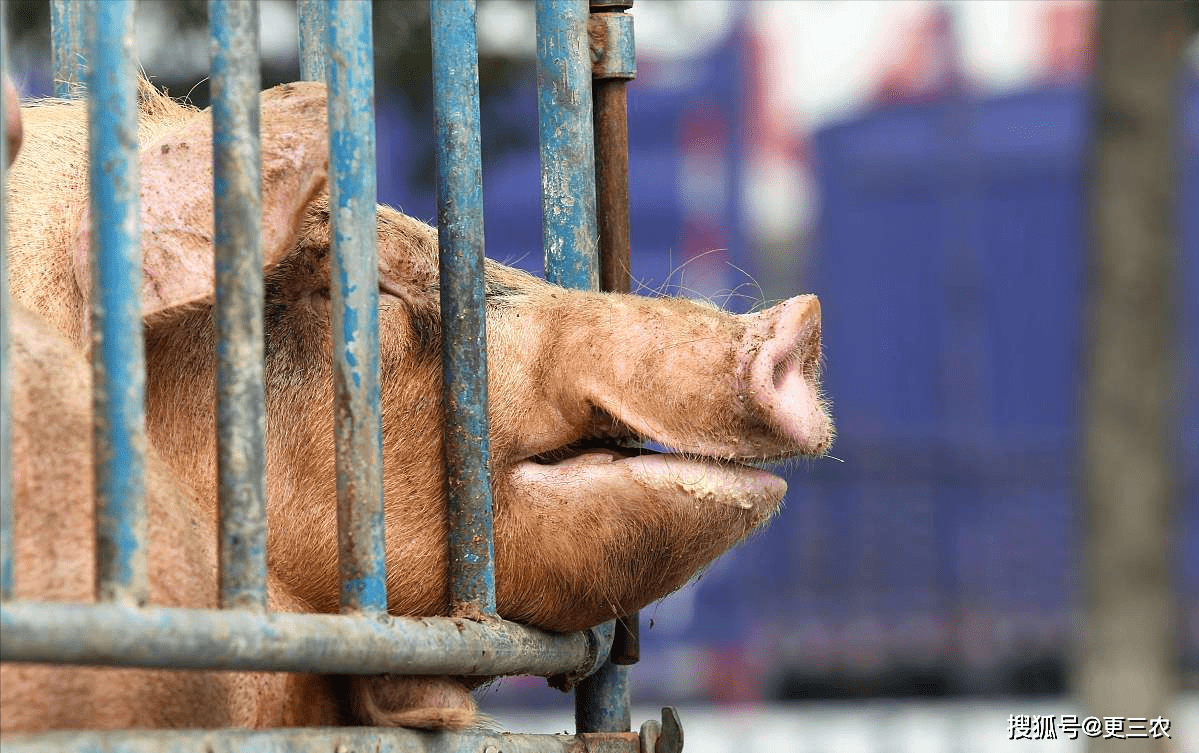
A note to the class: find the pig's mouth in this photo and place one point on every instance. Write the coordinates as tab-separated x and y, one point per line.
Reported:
621	467
595	450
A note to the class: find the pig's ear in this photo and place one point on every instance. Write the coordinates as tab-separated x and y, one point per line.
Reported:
177	196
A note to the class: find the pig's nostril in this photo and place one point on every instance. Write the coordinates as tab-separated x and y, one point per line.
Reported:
783	353
787	370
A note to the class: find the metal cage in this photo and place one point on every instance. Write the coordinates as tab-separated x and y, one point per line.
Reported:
576	44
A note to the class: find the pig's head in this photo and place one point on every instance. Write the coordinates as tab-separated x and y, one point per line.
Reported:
586	527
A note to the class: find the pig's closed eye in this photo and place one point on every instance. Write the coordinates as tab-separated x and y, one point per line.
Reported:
387	287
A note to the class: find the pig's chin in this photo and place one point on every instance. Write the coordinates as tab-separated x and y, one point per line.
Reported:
626	474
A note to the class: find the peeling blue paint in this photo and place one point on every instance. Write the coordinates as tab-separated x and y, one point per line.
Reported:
463	311
358	432
238	304
567	144
68	43
118	359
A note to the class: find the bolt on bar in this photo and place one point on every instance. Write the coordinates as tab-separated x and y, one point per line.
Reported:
237	191
312	40
463	316
118	358
567	144
6	491
613	64
355	302
68	33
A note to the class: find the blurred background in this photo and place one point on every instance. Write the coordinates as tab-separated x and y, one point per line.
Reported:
923	167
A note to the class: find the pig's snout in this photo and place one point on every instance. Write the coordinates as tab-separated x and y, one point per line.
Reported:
779	364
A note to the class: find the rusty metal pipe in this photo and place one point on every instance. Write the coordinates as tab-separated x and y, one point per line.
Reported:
216	639
612	183
389	740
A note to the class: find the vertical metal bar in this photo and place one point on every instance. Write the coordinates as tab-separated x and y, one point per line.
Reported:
567	144
602	700
68	35
312	40
6	457
613	64
355	292
463	316
237	187
118	360
612	183
569	227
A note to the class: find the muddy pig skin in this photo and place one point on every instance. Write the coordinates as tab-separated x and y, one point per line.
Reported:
585	529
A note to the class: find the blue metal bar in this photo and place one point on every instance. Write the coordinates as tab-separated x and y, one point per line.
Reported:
241	420
567	144
463	316
390	740
68	38
564	101
312	40
118	358
602	700
355	292
117	635
6	456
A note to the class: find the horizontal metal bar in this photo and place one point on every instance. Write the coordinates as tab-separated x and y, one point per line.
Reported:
318	741
118	635
358	434
463	316
241	419
118	355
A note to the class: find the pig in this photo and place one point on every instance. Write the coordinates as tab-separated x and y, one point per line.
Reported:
586	529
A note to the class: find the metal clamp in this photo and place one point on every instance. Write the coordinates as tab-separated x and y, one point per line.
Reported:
613	54
665	736
599	645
